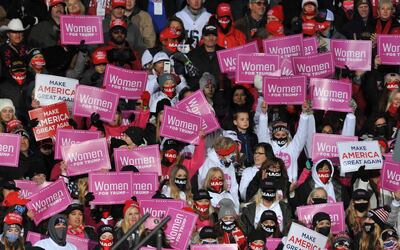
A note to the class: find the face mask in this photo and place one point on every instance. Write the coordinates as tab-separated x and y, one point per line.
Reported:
348	5
203	209
169	157
341	248
11	237
19	77
269	196
324	176
324	230
224	21
106	244
310	13
319	201
206	242
169	91
361	207
38	63
274	174
216	185
369	227
268	229
254	246
280	141
172	46
181	183
390	245
380	130
227	226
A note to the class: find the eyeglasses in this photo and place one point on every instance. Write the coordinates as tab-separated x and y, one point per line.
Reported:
261	3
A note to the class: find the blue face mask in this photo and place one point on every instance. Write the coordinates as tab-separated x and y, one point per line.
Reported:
11	237
390	244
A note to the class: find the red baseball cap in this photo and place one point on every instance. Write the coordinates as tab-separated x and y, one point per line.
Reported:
276	11
118	22
99	56
55	2
13	218
118	3
168	33
224	9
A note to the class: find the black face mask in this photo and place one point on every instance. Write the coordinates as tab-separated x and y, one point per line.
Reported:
268	229
227	226
361	207
274	174
280	141
181	183
369	227
324	230
380	130
319	201
268	195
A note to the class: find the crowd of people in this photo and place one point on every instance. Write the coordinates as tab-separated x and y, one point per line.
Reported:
246	180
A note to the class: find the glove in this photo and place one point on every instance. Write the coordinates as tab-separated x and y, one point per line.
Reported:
83	47
89	197
180	57
191	70
362	173
72	123
353	105
309	164
29	21
95	120
33	123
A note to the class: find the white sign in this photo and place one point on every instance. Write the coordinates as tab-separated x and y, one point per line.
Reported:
302	238
353	155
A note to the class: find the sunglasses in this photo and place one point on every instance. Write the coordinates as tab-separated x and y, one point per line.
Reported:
261	3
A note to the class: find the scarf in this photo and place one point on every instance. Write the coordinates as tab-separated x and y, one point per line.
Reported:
79	231
386	29
237	236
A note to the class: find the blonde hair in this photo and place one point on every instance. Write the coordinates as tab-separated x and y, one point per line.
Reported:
351	215
310	196
257	198
81	7
386	2
125	225
211	172
82	189
366	237
391	97
175	190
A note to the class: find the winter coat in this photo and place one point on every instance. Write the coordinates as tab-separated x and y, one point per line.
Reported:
145	24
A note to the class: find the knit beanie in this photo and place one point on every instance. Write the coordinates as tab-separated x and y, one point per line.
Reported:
379	215
257	234
4	103
165	77
360	194
226	208
276	11
136	134
269	215
320	216
342	238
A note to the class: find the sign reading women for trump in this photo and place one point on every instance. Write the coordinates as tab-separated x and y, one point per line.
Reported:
227	58
66	137
390	176
389	49
126	83
180	227
353	155
158	207
328	94
145	159
51	89
74	29
262	64
180	125
310	46
320	65
284	90
110	188
9	149
354	54
86	156
49	201
286	47
144	185
92	99
50	117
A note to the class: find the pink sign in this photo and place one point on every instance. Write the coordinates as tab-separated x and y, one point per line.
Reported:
141	118
320	65
181	125
145	159
328	94
391	176
354	54
33	237
144	185
284	90
286	47
75	28
66	137
273	243
49	201
80	243
389	49
86	156
158	207
287	67
324	146
310	46
335	211
262	64
197	104
215	247
110	188
93	99
28	188
126	83
9	149
180	227
227	58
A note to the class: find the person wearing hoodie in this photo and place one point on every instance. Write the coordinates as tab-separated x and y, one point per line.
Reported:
228	35
322	176
57	229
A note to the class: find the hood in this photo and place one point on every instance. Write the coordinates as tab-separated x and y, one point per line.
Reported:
315	175
59	236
